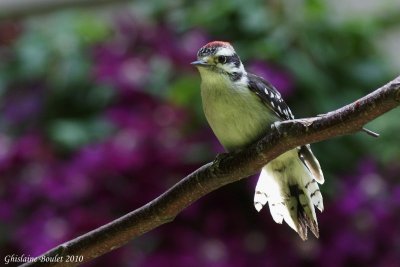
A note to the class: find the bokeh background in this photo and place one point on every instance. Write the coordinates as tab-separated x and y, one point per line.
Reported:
100	112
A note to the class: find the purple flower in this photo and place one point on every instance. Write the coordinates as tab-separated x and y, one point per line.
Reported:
23	106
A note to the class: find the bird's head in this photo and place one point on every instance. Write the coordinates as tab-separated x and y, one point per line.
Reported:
219	58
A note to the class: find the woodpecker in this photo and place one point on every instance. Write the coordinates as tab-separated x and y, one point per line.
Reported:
240	108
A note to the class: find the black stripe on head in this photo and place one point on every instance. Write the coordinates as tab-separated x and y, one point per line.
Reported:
207	51
233	59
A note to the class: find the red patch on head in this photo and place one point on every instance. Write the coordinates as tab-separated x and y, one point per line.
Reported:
217	44
212	47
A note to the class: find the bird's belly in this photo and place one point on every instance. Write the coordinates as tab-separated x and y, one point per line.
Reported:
235	123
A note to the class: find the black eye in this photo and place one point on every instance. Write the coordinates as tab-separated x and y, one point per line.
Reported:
222	59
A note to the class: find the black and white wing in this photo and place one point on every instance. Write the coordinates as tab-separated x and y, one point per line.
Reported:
288	183
270	97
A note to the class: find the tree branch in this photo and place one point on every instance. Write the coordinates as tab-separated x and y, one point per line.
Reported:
231	168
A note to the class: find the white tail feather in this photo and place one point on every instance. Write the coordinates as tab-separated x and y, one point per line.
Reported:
291	192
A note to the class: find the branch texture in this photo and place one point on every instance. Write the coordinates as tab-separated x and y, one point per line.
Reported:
224	170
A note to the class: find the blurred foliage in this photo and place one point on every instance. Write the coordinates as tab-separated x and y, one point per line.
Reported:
55	62
101	111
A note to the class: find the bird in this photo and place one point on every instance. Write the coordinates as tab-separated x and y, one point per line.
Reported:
241	108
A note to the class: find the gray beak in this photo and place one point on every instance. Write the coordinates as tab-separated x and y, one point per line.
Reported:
200	63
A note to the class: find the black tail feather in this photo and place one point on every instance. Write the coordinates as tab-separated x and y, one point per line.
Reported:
300	217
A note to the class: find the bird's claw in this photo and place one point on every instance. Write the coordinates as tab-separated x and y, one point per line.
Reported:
276	125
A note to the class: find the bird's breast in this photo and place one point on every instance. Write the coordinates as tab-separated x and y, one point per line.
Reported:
236	115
